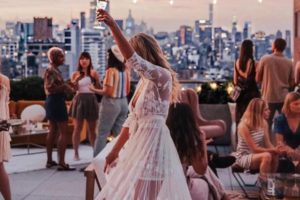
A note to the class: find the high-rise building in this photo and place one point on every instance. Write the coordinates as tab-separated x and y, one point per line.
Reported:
72	44
186	33
247	30
92	17
211	13
129	25
42	28
9	48
279	34
296	12
93	42
82	20
288	38
234	29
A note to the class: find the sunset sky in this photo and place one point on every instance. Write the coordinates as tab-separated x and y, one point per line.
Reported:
270	15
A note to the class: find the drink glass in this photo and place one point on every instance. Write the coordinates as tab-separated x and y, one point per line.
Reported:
101	4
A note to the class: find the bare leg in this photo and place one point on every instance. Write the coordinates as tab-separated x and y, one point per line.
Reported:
92	129
262	161
4	183
51	137
78	124
147	189
62	143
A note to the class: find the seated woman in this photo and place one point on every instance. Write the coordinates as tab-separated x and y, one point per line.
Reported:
254	149
210	128
191	147
287	129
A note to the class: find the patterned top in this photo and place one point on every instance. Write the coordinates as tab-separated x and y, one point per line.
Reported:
118	82
53	81
258	139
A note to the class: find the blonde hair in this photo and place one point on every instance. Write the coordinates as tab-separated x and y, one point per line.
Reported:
148	48
253	117
53	54
290	97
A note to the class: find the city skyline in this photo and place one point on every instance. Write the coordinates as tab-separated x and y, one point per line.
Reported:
262	15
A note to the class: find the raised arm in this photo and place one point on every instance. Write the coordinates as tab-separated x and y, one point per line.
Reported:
150	71
124	46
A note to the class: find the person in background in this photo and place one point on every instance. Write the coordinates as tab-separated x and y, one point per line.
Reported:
84	104
191	147
5	152
254	149
114	104
275	74
56	110
287	131
244	77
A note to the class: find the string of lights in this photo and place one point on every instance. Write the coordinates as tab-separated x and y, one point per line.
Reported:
172	2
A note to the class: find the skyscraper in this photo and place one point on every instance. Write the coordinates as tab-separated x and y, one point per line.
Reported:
93	41
247	30
279	34
186	33
42	28
288	38
129	25
82	20
72	44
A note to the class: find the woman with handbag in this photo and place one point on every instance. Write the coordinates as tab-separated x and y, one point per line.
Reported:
84	104
114	104
244	79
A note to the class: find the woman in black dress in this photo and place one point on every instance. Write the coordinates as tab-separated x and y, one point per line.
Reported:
244	77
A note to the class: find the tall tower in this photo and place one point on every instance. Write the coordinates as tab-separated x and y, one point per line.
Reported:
288	38
211	13
82	20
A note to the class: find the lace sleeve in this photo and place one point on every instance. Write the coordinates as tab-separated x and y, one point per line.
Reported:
150	71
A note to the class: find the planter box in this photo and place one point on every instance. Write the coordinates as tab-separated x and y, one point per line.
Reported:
218	111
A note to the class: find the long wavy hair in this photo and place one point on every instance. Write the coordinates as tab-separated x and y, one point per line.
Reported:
184	131
246	54
90	67
290	97
254	114
148	48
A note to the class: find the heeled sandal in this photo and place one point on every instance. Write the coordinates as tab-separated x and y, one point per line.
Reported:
65	167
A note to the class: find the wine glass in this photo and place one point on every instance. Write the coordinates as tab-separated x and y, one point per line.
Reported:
101	4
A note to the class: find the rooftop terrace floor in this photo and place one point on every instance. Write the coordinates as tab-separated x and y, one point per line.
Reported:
30	180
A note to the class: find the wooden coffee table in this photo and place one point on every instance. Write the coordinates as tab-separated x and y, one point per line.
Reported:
34	138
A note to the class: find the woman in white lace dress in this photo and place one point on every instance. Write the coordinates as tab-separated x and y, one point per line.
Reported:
5	139
148	167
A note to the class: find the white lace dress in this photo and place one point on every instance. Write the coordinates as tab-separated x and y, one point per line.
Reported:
5	139
148	167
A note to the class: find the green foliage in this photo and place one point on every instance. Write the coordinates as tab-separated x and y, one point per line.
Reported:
218	95
31	88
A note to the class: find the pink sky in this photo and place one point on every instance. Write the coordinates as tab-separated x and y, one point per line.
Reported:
270	15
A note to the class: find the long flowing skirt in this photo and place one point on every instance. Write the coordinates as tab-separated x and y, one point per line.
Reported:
148	167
